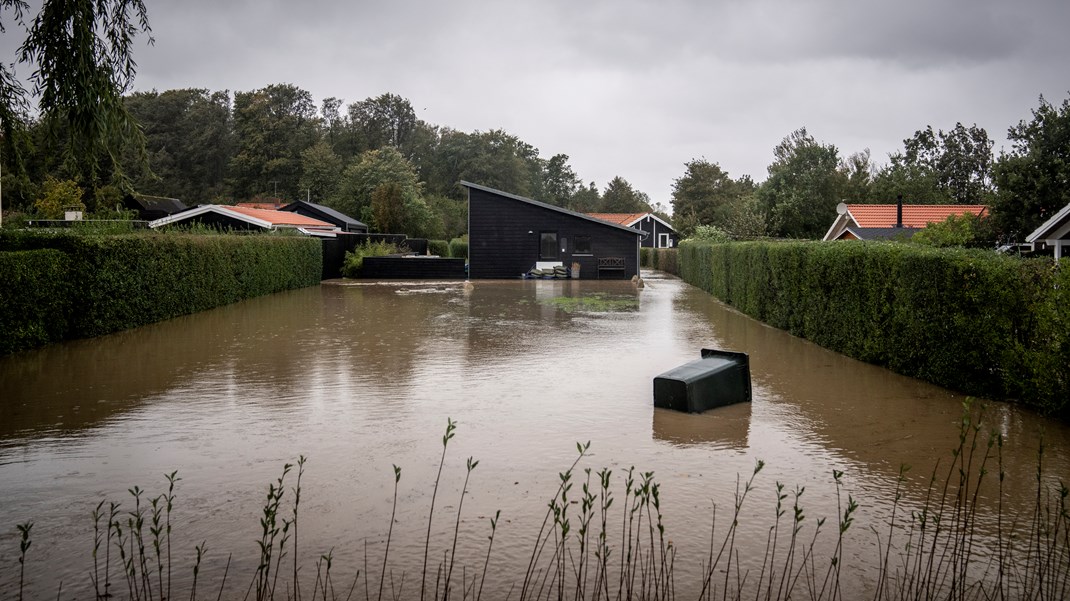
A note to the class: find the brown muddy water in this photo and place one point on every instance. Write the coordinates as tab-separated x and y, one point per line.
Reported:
361	377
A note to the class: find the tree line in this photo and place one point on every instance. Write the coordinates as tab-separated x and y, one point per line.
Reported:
372	159
1023	187
92	140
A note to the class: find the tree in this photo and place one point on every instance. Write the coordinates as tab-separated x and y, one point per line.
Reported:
559	181
386	120
13	105
705	195
57	196
858	173
189	143
1033	179
83	50
803	188
953	167
373	169
956	230
321	171
586	200
620	197
273	126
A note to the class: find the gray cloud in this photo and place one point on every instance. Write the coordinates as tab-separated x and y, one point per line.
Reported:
633	87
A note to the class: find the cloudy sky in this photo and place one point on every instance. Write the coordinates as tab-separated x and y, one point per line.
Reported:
637	88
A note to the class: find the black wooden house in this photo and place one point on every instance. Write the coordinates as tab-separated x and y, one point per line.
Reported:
508	235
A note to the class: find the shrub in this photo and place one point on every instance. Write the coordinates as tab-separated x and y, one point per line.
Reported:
969	320
459	247
354	260
439	248
120	282
33	286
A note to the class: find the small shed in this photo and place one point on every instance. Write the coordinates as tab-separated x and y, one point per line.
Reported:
508	235
658	233
325	213
1054	234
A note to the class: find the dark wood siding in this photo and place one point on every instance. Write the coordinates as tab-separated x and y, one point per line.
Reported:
655	230
504	235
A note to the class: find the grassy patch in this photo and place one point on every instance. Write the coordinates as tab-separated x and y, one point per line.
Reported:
595	302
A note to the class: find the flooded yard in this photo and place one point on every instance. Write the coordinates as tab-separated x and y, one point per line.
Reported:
361	377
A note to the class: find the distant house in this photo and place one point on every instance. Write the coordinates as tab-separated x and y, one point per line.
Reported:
508	235
152	207
659	234
246	218
1054	234
888	221
316	211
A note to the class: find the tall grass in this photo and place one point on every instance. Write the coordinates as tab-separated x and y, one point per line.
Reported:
609	542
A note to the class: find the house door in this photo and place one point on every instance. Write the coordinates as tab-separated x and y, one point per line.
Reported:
548	250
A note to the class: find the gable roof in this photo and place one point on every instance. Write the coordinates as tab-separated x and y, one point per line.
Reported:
630	219
157	203
263	218
1055	228
550	207
327	212
883	216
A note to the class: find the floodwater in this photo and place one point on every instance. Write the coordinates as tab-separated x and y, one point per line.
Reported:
361	377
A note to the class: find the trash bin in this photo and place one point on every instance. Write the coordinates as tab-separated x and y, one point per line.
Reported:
719	378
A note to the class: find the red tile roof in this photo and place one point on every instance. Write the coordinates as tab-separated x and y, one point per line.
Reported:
618	218
281	217
913	215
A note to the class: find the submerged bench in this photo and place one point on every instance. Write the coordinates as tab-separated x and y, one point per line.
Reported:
719	378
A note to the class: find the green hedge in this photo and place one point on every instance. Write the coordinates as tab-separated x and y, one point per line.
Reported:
459	248
120	282
439	248
34	298
969	320
663	259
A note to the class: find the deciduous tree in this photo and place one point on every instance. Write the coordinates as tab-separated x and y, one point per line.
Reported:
803	188
1034	177
83	52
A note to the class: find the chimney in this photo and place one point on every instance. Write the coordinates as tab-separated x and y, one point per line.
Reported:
899	211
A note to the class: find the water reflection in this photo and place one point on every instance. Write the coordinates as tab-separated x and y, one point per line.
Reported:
363	377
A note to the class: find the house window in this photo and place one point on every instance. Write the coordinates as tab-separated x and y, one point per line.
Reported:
664	241
548	246
581	245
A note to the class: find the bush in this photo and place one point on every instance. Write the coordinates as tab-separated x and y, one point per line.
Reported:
120	282
459	247
439	248
969	320
33	286
354	260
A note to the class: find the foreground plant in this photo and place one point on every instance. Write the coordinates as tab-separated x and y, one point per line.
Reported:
589	547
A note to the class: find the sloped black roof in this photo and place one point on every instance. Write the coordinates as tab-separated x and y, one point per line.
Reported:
551	207
883	233
170	206
324	213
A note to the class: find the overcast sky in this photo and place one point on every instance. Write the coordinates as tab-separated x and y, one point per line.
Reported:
631	87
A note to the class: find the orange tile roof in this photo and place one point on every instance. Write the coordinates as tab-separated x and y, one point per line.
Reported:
281	217
271	206
913	215
618	218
